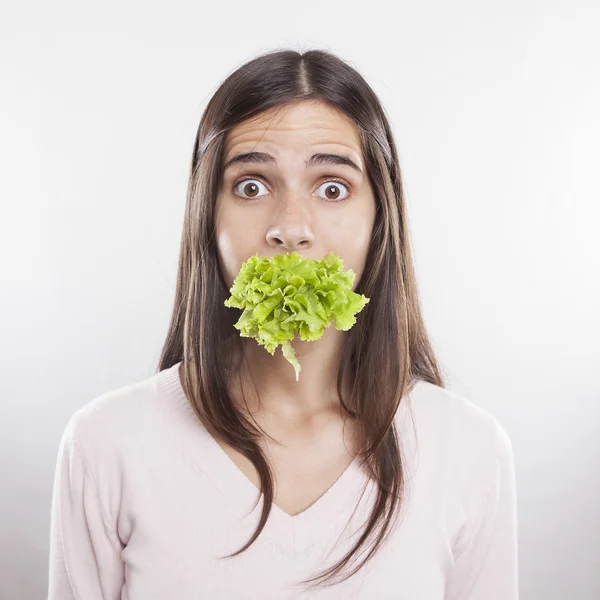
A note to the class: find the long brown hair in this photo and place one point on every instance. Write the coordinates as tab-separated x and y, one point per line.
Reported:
387	351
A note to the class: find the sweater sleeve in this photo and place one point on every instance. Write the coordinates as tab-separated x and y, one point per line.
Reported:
485	566
85	554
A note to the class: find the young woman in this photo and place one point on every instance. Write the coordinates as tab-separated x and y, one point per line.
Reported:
225	477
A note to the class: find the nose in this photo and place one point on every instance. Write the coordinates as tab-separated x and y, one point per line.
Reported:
289	242
291	228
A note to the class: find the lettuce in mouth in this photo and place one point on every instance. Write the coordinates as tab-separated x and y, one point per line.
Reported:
287	295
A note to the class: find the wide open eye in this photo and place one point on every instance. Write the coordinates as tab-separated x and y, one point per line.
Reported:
250	189
331	192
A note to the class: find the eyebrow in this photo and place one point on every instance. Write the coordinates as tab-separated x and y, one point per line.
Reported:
320	158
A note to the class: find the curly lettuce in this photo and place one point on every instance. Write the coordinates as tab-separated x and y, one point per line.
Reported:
287	295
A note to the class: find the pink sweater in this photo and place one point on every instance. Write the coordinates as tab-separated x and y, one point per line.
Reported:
145	501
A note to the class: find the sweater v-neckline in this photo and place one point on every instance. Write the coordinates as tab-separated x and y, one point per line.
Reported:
290	533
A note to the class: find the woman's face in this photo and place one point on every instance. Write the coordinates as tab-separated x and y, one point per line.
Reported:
286	199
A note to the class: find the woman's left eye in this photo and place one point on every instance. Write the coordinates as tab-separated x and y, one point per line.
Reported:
330	186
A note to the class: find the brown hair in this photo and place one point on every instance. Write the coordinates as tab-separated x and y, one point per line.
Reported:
387	350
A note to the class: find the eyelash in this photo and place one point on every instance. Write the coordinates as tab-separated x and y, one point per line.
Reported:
259	178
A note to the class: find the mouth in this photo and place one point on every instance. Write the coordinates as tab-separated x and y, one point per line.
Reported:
287	295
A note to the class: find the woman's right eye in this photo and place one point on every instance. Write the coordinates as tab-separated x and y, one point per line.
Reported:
249	190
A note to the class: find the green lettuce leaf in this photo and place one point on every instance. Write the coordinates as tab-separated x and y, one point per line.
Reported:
287	295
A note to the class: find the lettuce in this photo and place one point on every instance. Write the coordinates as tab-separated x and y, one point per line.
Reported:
287	295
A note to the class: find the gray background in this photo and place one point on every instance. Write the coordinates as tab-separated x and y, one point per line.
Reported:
495	111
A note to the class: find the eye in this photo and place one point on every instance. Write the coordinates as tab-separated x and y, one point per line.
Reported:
330	188
250	188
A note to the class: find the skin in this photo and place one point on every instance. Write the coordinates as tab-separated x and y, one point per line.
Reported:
283	208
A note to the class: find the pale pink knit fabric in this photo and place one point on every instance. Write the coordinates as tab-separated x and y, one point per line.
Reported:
145	502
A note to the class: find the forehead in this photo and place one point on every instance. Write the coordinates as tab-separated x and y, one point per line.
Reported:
295	128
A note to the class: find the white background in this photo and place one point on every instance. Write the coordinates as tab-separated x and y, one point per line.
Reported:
494	106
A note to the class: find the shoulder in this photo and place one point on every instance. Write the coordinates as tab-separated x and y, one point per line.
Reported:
118	419
454	431
117	438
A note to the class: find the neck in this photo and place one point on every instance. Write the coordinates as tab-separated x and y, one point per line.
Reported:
269	382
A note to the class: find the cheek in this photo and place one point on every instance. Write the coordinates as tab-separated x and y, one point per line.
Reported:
234	244
228	255
351	241
225	246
